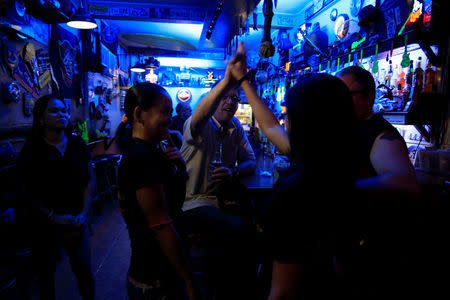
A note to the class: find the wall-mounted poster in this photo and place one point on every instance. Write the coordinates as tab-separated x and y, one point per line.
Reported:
109	36
64	60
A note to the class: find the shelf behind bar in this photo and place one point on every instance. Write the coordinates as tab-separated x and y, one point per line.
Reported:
398	41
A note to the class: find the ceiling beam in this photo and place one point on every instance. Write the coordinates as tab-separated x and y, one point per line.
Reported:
212	55
147	12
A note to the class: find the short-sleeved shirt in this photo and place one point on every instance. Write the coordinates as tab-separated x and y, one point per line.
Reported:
199	152
298	216
301	222
144	165
177	123
368	131
54	179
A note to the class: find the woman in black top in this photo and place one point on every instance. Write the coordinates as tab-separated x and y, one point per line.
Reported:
54	174
307	213
152	178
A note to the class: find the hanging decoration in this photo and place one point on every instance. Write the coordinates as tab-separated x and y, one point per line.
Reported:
267	49
283	46
28	104
43	62
214	18
29	55
23	75
333	14
11	92
151	77
63	56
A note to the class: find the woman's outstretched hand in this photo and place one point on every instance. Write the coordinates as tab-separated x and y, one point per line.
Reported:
237	66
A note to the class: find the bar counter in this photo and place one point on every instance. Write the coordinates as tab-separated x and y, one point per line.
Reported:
264	176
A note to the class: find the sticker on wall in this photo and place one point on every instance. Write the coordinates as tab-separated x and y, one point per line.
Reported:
11	56
11	92
28	104
184	95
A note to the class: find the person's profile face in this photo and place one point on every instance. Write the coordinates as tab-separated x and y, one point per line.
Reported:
186	112
158	118
227	107
55	115
360	97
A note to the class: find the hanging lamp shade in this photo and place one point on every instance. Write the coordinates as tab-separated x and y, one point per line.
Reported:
138	68
82	22
151	63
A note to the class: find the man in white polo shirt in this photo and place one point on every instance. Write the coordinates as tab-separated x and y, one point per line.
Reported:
213	126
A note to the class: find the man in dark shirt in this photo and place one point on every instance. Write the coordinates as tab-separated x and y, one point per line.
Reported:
184	111
385	162
387	185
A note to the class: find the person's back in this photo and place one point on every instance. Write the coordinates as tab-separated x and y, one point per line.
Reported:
387	187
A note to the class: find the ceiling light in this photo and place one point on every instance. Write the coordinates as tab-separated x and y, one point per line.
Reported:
138	68
82	22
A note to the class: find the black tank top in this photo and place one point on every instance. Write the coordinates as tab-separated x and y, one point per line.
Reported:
368	131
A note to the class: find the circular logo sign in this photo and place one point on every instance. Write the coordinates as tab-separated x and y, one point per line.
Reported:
184	95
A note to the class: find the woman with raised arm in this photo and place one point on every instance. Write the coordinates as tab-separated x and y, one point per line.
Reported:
306	214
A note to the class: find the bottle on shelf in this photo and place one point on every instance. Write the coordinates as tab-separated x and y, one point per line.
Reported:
409	88
418	77
389	73
410	75
430	79
395	79
401	80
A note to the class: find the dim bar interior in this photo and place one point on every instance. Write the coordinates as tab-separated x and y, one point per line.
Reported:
184	47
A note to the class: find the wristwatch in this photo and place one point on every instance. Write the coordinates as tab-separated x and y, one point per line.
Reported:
245	77
235	173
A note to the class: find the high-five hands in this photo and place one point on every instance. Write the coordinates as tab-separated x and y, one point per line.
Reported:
237	66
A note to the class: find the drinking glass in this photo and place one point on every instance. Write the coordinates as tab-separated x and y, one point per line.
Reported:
216	160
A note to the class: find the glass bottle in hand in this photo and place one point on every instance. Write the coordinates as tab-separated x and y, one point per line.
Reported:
216	161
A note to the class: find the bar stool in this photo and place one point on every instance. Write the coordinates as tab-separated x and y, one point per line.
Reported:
199	255
105	167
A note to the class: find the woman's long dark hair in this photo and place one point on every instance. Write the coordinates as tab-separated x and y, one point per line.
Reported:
41	104
322	123
144	95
